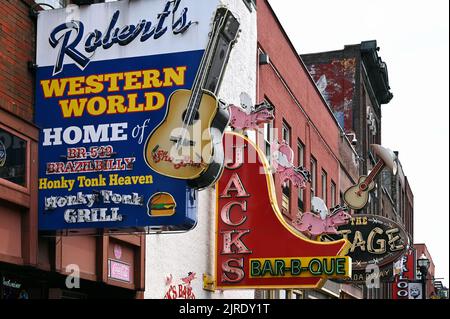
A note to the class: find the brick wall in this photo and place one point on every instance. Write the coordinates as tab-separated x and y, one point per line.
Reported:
17	34
286	83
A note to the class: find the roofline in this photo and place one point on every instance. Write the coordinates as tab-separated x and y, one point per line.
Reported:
304	66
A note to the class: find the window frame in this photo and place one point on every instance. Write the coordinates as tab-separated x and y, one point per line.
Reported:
24	189
286	128
268	132
333	194
313	171
301	162
324	193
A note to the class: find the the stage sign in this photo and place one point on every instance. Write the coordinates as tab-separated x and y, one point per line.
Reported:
105	74
375	240
255	246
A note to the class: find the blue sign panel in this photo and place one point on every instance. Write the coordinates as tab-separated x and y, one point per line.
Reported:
105	74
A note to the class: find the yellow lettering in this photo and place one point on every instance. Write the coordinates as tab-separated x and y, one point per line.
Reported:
94	83
42	183
116	104
113	179
54	88
96	106
113	80
131	80
154	101
151	79
172	77
75	86
81	180
132	104
72	108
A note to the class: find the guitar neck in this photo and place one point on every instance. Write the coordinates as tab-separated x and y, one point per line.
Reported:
211	69
204	66
375	171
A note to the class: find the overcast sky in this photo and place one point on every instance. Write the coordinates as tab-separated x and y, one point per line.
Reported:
413	40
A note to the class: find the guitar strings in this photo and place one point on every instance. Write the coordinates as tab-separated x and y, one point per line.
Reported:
197	88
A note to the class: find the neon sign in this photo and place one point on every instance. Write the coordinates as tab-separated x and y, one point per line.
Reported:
255	247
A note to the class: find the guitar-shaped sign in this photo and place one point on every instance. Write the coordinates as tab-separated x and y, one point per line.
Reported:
357	196
187	144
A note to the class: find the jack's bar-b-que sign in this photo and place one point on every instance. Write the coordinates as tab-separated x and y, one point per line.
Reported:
255	246
105	73
375	241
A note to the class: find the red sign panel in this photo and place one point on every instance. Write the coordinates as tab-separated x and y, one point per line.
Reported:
407	273
255	246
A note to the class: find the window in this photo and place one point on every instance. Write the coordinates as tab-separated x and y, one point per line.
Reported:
333	194
313	177
286	133
301	162
268	138
324	186
286	136
13	153
286	202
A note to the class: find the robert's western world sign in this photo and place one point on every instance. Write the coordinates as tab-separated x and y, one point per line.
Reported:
105	74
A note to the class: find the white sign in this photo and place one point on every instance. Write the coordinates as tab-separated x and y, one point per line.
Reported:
119	271
125	29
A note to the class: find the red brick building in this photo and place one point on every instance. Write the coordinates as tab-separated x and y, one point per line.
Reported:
355	83
31	265
304	120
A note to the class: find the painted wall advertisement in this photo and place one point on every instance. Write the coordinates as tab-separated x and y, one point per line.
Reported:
105	74
255	246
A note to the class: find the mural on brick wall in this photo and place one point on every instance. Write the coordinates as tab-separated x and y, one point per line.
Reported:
336	81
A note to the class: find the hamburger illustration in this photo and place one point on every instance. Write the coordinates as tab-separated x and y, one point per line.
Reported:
161	205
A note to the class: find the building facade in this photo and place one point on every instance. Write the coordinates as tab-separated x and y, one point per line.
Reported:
327	109
172	257
355	83
31	265
304	120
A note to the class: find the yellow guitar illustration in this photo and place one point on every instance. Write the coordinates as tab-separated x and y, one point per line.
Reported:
357	196
187	143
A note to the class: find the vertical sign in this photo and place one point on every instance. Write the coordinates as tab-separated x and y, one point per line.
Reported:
255	247
407	273
105	74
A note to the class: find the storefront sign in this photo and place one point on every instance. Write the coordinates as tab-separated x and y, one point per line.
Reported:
255	246
404	270
105	74
375	240
10	283
119	270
